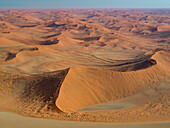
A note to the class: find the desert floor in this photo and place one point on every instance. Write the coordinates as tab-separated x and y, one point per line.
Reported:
17	121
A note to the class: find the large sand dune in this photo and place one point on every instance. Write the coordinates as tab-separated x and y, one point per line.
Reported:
83	87
64	92
94	65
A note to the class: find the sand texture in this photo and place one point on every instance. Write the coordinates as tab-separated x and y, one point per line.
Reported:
86	65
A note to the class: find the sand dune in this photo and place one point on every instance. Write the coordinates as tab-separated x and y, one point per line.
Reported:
164	28
56	94
83	87
91	65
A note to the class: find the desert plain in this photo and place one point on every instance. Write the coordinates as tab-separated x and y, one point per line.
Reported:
86	65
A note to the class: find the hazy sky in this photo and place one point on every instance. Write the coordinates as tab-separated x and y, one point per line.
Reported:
84	3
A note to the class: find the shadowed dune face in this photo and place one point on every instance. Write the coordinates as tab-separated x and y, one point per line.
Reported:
13	55
56	62
32	94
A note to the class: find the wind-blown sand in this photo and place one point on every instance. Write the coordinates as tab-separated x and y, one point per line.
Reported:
109	66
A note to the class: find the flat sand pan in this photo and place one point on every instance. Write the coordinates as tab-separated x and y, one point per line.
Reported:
107	107
9	120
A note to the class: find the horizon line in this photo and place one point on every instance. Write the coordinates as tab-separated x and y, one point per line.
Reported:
88	8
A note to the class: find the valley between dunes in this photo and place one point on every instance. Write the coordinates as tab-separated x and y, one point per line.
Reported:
86	65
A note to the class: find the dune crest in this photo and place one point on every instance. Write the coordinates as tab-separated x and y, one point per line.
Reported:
84	86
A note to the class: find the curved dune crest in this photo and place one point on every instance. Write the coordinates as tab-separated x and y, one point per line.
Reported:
84	87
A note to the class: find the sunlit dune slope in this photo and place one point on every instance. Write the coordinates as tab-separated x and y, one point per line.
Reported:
83	87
